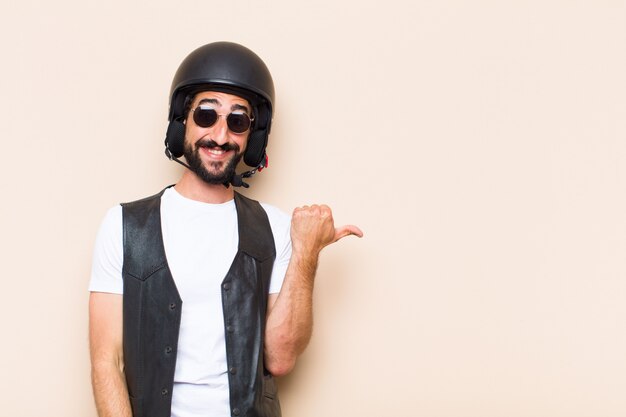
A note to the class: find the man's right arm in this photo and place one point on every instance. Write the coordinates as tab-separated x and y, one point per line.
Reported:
107	361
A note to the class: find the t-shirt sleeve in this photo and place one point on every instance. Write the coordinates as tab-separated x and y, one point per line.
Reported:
108	256
281	229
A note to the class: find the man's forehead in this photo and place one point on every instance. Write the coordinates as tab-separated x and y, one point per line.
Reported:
220	98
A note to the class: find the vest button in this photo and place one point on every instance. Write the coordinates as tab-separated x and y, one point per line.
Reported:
172	306
230	329
236	411
164	392
168	349
226	286
232	370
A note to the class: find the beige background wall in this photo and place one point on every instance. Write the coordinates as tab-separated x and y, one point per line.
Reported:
480	146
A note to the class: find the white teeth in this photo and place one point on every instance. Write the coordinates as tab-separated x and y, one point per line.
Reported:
216	151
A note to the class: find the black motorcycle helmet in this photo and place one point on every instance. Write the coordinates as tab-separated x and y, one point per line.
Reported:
230	68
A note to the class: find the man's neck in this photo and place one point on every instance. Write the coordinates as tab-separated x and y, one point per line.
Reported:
192	187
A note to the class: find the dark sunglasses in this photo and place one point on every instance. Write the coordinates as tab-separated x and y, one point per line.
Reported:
206	116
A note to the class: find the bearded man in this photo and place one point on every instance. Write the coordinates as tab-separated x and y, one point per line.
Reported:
199	295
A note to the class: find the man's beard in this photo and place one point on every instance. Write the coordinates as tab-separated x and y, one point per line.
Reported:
224	170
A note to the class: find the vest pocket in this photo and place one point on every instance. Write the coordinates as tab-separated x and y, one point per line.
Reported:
136	406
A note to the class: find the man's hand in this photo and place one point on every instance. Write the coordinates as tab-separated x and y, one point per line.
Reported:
313	228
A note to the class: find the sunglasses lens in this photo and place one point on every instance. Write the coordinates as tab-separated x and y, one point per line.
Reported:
205	116
238	122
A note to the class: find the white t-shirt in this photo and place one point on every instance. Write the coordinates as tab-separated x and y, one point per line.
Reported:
200	241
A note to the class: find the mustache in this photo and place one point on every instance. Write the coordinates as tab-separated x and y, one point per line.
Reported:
210	143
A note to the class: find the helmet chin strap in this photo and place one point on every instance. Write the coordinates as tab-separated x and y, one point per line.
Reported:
235	181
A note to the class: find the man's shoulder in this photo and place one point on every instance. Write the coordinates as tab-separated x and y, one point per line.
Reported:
274	214
279	220
273	211
145	201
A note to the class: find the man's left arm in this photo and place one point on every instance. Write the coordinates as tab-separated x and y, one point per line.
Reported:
290	312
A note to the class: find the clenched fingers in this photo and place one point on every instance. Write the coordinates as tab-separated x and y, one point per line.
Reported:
312	228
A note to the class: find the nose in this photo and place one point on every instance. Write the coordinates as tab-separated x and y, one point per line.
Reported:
220	131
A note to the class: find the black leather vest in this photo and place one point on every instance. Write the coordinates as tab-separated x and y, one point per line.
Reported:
152	312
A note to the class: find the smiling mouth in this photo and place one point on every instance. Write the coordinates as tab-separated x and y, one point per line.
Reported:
211	145
215	151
